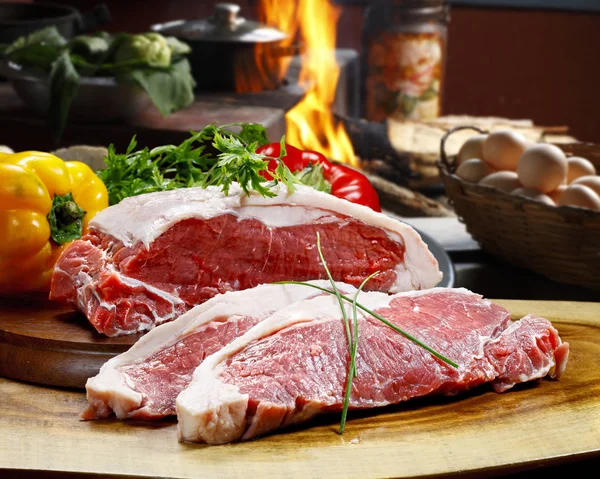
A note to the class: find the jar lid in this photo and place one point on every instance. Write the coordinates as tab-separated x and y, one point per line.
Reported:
416	3
405	3
412	11
225	25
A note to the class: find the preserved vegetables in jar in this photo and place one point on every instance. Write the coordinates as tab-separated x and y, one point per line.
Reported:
403	57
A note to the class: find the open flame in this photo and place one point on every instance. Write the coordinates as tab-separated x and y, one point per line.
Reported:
271	62
311	124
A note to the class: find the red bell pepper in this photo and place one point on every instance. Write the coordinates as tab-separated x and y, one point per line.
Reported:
346	182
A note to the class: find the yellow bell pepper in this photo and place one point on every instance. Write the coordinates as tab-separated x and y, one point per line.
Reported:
45	203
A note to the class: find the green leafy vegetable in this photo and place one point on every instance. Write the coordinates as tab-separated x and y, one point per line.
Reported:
90	45
313	176
48	36
178	47
237	162
170	89
253	132
151	48
64	83
38	50
215	156
65	219
153	62
145	171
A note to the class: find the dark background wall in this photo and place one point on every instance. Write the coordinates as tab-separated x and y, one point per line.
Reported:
536	64
540	64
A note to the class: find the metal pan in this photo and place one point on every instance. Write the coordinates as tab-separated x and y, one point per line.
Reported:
224	50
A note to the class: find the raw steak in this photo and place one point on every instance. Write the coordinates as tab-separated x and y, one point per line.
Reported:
294	364
144	382
152	257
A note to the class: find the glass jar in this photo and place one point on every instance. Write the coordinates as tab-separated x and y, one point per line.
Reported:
403	57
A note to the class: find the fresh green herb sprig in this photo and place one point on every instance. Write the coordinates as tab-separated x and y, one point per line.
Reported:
380	318
338	295
215	156
239	162
353	351
352	335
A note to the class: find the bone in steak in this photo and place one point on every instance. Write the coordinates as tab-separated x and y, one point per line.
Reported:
152	257
293	365
144	382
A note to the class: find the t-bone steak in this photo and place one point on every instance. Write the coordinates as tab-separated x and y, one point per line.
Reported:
294	364
144	382
152	257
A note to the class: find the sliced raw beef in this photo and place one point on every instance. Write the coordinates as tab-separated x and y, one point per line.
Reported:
144	382
294	364
152	257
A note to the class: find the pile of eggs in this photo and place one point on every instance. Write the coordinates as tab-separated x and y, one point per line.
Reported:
540	171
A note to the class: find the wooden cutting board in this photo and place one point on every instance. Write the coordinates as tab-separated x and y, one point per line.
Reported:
477	434
45	343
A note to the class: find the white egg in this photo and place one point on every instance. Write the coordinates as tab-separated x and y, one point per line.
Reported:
534	195
5	149
472	148
503	180
557	193
578	167
542	167
502	149
590	181
580	195
473	170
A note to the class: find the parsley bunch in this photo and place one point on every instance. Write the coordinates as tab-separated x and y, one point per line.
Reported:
216	156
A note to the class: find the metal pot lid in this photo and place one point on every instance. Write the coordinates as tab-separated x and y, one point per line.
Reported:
223	26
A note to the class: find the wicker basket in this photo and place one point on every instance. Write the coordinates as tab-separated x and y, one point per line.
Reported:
562	243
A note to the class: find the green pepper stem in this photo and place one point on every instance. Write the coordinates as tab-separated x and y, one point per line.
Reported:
65	219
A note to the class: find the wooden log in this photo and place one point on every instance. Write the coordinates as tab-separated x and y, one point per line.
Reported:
372	145
403	201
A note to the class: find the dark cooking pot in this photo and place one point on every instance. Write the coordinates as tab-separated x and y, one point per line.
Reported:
223	50
19	19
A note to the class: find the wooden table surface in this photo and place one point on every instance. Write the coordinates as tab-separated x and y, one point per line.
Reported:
554	425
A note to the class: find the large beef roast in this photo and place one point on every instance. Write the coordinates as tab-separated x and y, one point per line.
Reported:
294	364
152	257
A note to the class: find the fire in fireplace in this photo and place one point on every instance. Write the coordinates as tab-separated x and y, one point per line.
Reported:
310	124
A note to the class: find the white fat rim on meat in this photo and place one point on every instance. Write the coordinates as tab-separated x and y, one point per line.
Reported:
211	411
109	385
143	218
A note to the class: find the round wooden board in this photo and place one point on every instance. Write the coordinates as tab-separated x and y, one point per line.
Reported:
46	343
